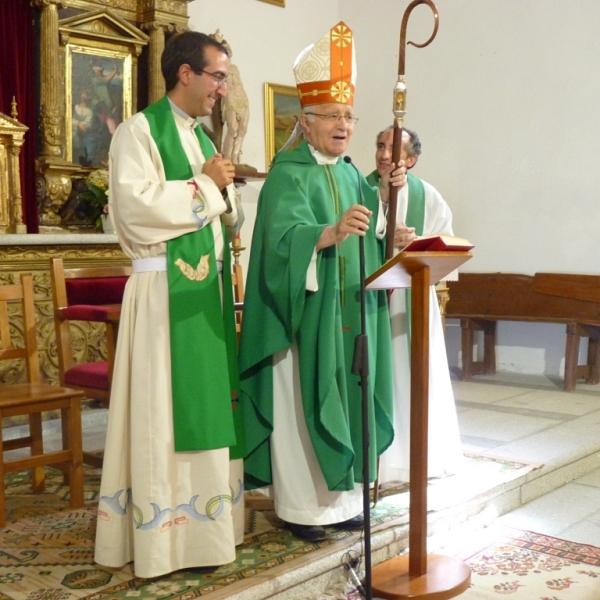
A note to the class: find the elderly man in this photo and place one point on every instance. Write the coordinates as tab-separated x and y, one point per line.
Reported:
302	311
171	497
421	211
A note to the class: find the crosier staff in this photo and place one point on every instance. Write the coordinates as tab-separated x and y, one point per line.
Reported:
399	112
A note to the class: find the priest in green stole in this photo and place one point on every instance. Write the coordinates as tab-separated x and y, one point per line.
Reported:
421	210
302	404
172	480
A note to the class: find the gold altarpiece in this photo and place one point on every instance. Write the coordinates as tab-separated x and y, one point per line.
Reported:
131	33
12	135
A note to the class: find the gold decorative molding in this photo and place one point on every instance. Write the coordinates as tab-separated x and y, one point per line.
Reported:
56	189
12	134
37	258
51	130
48	3
173	7
122	4
88	338
104	26
127	9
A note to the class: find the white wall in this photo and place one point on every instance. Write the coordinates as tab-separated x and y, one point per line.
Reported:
503	100
265	40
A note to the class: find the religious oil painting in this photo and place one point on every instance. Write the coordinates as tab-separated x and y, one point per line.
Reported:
282	108
275	2
98	98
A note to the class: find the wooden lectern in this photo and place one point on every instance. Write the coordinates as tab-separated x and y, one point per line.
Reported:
418	575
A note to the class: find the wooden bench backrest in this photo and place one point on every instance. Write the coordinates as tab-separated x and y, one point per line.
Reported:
507	296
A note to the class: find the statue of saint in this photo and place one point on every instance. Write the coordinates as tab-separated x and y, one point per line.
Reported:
234	112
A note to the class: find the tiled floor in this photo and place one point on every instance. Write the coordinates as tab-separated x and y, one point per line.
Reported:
531	418
525	418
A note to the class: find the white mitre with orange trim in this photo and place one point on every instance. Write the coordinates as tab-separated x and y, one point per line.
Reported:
326	71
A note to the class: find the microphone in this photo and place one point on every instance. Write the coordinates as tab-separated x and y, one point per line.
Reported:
348	160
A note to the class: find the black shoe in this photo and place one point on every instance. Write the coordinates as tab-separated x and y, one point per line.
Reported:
352	524
309	533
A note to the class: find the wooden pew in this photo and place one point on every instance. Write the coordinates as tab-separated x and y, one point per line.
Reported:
480	300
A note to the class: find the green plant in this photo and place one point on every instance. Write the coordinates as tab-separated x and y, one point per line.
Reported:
96	194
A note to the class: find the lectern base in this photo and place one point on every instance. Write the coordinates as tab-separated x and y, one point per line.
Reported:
446	577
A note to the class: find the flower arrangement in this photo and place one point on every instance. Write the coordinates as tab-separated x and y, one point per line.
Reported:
96	194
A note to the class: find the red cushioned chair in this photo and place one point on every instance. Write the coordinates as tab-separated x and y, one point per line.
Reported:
87	294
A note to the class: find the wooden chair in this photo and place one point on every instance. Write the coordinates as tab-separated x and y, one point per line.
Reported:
87	294
32	399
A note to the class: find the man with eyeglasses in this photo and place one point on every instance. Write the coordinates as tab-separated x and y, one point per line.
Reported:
172	482
302	403
421	210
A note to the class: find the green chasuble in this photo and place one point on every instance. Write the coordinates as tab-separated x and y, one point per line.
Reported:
204	371
298	199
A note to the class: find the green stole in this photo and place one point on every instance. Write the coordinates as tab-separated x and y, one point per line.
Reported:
415	213
204	370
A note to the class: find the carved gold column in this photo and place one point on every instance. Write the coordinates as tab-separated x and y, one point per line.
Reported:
12	134
160	17
16	200
156	82
51	115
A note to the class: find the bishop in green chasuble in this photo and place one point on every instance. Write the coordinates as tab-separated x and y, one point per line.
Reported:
302	404
299	199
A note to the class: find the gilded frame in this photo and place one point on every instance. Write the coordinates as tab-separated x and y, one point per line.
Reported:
275	2
282	107
84	65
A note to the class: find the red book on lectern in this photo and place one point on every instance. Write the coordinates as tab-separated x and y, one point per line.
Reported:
439	243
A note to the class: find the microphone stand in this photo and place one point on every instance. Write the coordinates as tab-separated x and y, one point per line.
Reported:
360	366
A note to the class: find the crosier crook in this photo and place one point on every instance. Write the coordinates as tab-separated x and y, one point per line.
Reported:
399	112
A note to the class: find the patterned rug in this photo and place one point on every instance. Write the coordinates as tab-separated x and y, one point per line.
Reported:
530	566
46	549
522	565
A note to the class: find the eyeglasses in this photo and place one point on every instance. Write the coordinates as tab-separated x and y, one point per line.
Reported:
334	117
220	78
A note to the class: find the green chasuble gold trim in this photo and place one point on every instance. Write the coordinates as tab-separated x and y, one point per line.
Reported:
204	372
298	200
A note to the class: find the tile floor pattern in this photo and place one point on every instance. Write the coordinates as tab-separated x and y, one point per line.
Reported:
531	418
527	418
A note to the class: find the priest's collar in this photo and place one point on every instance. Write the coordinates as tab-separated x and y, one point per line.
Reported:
185	119
322	159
